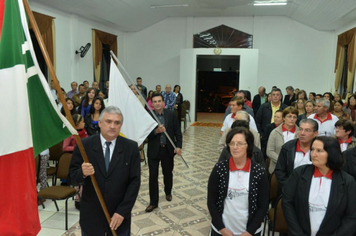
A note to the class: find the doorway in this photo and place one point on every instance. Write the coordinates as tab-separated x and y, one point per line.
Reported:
218	78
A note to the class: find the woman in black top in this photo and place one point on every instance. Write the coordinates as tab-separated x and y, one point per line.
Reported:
319	199
179	101
92	118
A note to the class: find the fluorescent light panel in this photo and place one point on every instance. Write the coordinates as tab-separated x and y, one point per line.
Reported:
271	4
163	6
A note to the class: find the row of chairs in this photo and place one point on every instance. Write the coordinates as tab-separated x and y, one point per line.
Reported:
275	220
54	192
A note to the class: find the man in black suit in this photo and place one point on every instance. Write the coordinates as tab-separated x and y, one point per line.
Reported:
265	114
259	99
290	97
160	149
115	161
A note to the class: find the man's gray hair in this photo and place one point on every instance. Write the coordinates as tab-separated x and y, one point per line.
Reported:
244	115
312	122
111	110
326	102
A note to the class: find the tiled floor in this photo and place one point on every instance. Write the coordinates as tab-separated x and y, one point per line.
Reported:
186	214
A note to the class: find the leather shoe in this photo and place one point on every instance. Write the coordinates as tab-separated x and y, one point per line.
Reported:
169	197
150	208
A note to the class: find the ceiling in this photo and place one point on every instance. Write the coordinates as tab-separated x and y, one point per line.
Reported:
136	15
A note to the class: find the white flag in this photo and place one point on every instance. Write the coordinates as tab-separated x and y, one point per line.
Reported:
137	122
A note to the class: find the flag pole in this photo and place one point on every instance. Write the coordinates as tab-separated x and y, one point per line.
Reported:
149	108
62	100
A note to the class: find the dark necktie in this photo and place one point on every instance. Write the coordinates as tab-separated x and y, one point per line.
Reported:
107	155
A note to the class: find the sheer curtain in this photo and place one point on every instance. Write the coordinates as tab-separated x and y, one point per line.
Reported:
348	39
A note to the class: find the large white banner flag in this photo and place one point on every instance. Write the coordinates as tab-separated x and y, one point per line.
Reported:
137	122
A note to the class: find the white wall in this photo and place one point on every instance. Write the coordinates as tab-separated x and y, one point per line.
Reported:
290	53
72	32
188	65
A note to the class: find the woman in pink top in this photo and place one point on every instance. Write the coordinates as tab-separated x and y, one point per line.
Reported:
70	142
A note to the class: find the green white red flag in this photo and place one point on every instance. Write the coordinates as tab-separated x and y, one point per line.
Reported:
30	122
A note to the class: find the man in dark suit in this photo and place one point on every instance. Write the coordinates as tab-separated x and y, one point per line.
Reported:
115	161
290	97
160	149
265	114
259	99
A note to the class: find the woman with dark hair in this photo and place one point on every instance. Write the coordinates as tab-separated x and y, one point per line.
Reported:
329	97
149	95
92	118
238	189
179	100
84	108
339	112
70	105
285	132
319	199
351	107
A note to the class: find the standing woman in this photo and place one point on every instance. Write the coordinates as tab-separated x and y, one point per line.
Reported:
70	105
285	132
329	97
302	94
300	105
84	108
238	189
179	101
92	118
351	107
309	109
339	112
319	199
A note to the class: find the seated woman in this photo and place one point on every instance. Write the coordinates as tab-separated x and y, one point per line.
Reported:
351	107
278	119
319	199
238	189
92	119
288	130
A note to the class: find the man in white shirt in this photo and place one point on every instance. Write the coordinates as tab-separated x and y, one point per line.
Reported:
325	119
236	104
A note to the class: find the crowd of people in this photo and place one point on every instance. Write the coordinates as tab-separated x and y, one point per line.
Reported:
307	142
112	157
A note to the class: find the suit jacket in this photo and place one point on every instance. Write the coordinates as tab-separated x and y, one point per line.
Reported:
285	162
119	186
264	115
350	162
287	100
340	215
256	103
172	128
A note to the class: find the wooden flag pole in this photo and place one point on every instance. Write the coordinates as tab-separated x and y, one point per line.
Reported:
62	100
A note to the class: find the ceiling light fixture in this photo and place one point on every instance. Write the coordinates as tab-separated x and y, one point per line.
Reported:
271	4
164	6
